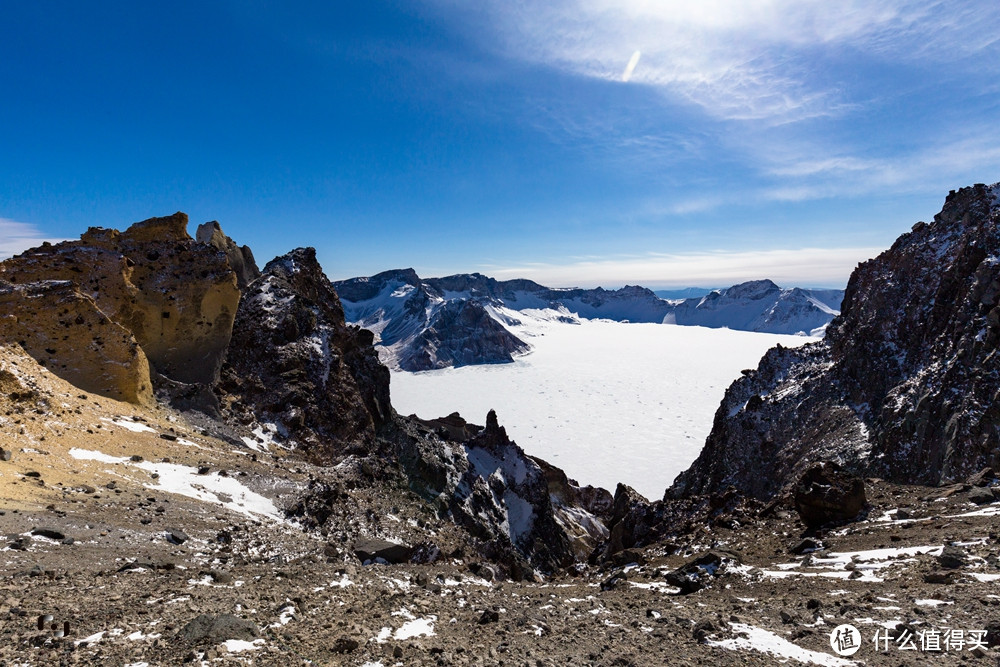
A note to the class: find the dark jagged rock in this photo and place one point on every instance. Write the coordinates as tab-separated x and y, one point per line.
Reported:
634	521
903	387
826	494
568	498
499	494
295	362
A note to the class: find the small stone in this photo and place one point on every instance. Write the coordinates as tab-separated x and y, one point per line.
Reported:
6	454
806	545
219	576
702	630
135	458
938	578
50	533
176	536
489	616
346	644
981	496
952	557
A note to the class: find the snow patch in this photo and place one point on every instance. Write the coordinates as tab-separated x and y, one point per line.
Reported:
765	641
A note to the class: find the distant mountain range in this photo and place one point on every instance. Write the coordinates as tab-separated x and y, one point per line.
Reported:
465	319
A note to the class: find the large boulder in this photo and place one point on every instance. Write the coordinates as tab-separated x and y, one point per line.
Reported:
827	494
66	332
903	387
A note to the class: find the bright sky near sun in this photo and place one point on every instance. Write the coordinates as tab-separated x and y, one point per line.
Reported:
576	142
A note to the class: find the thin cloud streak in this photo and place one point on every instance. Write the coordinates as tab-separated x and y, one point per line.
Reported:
804	267
16	237
630	67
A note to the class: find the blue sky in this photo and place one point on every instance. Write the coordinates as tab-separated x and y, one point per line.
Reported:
787	139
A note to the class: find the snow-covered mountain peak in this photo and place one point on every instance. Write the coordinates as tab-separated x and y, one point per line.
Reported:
470	318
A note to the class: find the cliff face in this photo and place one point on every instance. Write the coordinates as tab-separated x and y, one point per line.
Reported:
66	332
906	384
177	297
294	362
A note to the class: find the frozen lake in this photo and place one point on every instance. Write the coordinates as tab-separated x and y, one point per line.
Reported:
605	401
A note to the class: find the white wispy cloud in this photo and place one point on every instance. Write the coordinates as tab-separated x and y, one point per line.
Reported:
733	58
946	163
795	267
16	237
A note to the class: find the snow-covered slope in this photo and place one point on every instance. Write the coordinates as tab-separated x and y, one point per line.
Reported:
762	306
470	319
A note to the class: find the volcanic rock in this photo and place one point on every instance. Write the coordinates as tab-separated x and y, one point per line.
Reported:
390	552
240	258
827	494
905	385
208	629
295	362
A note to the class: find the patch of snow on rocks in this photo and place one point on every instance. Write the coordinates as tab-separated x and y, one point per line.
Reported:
765	641
135	427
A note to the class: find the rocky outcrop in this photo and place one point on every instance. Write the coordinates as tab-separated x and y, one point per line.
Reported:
66	332
903	387
503	497
295	363
240	258
177	297
460	333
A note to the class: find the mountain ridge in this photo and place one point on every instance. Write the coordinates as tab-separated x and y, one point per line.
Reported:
404	311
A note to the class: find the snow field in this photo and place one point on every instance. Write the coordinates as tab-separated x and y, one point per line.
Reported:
607	402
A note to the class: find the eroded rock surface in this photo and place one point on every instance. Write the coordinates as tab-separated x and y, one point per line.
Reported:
66	332
177	297
240	257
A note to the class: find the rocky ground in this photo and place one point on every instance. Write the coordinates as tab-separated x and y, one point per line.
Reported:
136	536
